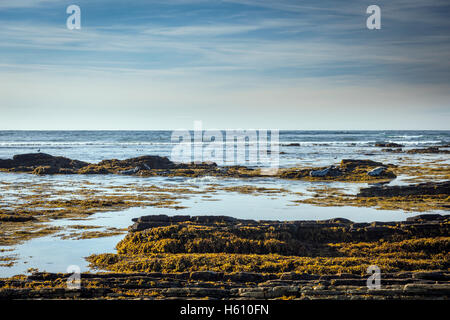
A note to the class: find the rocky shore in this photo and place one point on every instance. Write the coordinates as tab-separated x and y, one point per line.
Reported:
219	257
237	286
41	164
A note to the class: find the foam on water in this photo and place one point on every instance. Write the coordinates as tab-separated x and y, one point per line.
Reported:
93	146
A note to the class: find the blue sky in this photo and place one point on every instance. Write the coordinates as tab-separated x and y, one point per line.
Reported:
232	64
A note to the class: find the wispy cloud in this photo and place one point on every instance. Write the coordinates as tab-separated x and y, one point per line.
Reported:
215	47
247	55
5	4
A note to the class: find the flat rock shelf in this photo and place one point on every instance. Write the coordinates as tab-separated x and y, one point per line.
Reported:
220	257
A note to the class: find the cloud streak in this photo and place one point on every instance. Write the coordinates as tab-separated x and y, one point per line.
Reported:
250	57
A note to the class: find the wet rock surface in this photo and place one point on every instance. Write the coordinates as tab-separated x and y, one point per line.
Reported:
428	150
322	231
429	188
236	286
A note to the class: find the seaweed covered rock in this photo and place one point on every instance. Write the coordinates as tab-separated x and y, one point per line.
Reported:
241	251
428	188
41	163
397	150
428	150
203	234
388	145
234	285
348	170
143	162
351	164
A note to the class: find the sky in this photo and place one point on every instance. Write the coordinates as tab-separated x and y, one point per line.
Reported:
232	64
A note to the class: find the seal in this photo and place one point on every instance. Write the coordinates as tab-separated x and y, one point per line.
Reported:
377	171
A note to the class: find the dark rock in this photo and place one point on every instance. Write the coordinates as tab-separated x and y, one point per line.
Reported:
206	275
426	217
389	145
196	165
428	150
213	219
140	226
298	276
348	282
398	150
427	289
41	159
379	232
15	218
433	275
46	170
339	220
159	217
428	188
360	225
245	277
180	218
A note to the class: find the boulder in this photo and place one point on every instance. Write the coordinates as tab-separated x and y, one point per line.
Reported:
41	159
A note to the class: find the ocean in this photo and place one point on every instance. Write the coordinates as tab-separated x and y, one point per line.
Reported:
296	147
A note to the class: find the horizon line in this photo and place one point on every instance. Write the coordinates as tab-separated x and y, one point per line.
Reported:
222	129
